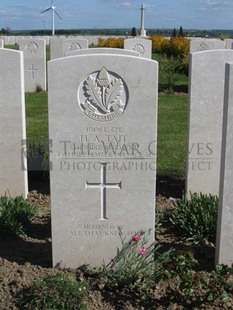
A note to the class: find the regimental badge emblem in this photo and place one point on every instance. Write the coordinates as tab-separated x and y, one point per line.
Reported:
139	48
31	48
74	47
103	96
203	46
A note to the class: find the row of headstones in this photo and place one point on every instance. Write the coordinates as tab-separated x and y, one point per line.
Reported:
102	123
35	55
12	40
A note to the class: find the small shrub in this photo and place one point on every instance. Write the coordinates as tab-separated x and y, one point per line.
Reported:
38	155
38	88
196	217
15	215
137	264
54	292
111	42
170	73
158	43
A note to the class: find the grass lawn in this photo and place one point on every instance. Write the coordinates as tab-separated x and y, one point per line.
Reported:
37	115
172	128
172	134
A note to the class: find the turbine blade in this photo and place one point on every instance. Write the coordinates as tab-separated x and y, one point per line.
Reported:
57	14
52	3
48	9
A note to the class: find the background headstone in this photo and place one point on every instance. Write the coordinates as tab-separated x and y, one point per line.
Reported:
228	43
206	96
55	48
143	46
224	244
73	44
34	51
106	50
103	124
199	45
13	174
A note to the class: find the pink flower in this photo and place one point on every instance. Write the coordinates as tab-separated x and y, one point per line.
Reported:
143	250
136	238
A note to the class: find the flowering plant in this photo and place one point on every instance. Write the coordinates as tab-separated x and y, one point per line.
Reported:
137	264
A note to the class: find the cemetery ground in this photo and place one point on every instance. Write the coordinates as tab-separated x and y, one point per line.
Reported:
185	279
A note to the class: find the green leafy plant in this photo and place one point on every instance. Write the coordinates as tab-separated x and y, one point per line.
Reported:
54	292
196	217
219	284
159	218
15	215
170	72
38	88
137	264
181	265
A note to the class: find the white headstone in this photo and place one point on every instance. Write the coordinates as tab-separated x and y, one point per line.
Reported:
34	52
106	50
224	244
74	44
55	48
13	174
228	43
199	45
103	124
12	40
207	75
1	43
143	46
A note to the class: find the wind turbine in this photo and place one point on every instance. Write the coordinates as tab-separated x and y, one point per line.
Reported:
52	8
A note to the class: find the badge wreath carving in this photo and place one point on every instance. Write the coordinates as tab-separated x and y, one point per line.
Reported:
103	96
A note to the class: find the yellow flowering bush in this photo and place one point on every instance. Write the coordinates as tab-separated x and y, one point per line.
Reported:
178	46
158	43
111	42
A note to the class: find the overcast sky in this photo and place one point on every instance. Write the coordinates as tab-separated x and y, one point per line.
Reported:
80	14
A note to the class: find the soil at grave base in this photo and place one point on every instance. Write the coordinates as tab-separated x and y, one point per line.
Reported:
23	260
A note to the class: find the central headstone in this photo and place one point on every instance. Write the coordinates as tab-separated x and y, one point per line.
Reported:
103	121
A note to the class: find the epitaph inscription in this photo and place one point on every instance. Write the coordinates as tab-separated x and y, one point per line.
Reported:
103	96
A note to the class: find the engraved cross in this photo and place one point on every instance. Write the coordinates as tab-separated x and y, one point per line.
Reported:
32	70
103	186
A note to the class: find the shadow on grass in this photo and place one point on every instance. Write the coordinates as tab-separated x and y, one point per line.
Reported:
176	88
